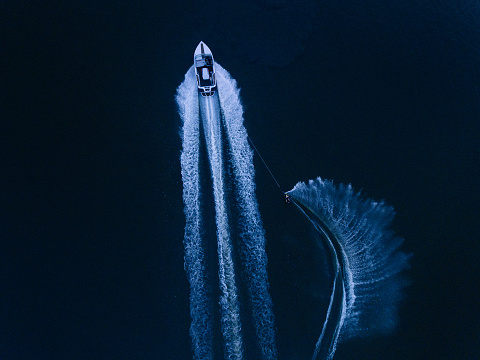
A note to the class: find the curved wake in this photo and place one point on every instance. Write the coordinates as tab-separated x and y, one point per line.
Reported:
367	261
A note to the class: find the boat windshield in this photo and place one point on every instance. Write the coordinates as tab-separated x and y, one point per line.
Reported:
203	60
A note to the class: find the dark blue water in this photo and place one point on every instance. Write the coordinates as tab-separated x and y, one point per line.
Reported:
383	96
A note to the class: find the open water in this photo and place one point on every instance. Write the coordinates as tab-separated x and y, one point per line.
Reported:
381	95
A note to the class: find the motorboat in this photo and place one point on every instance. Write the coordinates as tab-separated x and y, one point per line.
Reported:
205	70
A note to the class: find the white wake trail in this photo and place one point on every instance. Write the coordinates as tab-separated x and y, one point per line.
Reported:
231	325
252	232
200	302
365	253
222	115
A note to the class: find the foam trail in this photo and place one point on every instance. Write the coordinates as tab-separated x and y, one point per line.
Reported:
231	326
200	302
363	251
368	279
252	232
224	134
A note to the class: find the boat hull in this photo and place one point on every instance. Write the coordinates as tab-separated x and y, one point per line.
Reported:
205	70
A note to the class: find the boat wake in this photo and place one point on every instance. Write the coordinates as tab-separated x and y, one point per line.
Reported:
224	239
238	281
364	253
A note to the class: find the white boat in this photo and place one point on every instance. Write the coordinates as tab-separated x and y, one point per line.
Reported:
205	70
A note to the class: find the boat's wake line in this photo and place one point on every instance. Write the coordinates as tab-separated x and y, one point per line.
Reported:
250	223
230	305
200	303
245	303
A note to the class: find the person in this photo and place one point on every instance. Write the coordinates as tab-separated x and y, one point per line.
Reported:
288	200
